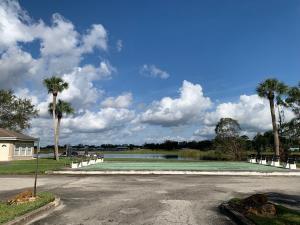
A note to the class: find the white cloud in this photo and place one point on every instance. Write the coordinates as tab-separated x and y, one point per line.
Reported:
107	125
153	71
122	101
95	38
82	91
173	112
15	64
14	24
205	131
25	93
61	30
17	28
119	45
105	119
62	50
166	138
251	111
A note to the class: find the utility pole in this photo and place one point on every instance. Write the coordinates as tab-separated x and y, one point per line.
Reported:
36	168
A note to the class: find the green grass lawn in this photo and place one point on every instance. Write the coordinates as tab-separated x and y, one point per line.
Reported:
145	160
181	165
9	212
28	166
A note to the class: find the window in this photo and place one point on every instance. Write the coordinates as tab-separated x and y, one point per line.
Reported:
23	149
29	150
17	150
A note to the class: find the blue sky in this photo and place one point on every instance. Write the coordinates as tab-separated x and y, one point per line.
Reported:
225	47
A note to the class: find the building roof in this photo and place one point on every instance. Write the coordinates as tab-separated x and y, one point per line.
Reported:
12	135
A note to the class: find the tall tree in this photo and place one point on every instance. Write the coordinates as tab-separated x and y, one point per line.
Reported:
55	85
62	108
15	113
272	89
227	137
293	100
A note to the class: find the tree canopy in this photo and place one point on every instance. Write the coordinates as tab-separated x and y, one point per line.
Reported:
271	88
15	113
227	128
55	85
293	100
62	108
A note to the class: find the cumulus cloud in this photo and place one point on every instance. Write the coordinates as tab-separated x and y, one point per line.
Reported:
86	127
178	111
62	30
95	38
153	71
251	111
166	138
107	118
17	28
14	23
205	131
61	52
15	64
82	91
121	101
25	93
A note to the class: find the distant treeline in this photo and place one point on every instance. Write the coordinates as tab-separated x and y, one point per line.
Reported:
171	145
260	143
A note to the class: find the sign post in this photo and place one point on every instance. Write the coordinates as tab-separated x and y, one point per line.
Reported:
36	168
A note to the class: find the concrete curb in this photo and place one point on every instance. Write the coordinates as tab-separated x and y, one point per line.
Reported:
237	217
30	216
173	172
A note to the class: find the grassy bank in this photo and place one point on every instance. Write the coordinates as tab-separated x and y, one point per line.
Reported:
9	212
28	166
203	155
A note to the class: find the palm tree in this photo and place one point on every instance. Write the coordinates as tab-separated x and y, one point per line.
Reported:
55	85
293	100
272	89
62	108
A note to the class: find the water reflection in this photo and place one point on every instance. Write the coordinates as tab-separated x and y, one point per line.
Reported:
127	156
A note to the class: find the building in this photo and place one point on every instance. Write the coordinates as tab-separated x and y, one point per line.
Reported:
16	146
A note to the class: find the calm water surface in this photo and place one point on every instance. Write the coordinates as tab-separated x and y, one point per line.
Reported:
127	156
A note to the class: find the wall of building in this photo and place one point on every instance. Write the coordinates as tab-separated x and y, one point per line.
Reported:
7	153
22	155
4	150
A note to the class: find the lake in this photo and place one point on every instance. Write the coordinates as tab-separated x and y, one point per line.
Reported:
127	156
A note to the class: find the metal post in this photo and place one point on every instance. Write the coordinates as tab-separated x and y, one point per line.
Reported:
36	168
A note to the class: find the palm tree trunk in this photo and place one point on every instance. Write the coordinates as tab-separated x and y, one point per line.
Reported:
275	129
58	129
55	128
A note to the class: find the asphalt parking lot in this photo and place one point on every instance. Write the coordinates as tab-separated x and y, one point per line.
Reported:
145	199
